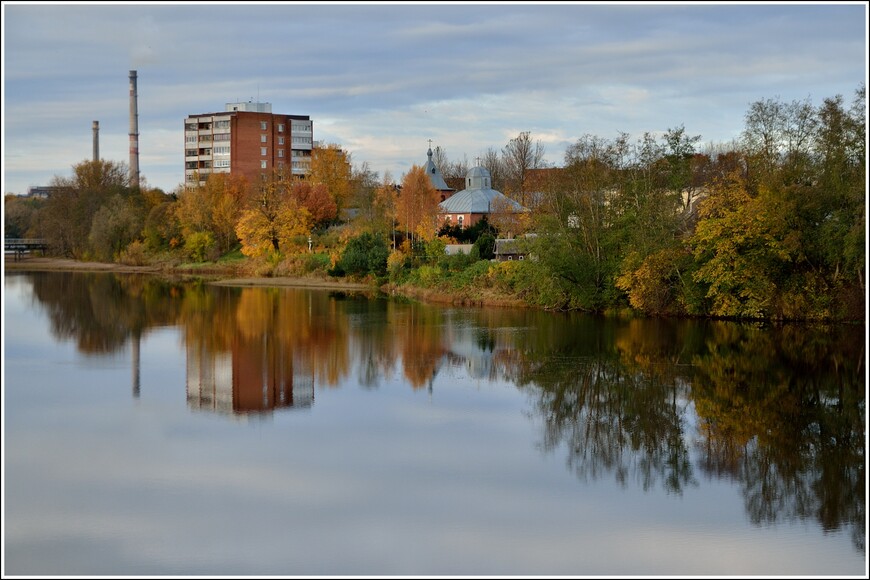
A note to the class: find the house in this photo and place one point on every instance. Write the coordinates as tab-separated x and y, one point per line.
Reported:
507	250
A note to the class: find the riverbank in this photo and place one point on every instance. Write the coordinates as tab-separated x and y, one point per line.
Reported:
229	275
225	276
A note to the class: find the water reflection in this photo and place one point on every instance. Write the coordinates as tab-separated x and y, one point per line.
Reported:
780	412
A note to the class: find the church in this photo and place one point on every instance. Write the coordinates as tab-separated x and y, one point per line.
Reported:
478	200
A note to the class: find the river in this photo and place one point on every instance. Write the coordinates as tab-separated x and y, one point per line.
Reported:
154	427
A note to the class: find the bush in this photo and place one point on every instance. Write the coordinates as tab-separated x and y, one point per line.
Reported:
363	255
485	246
133	254
200	246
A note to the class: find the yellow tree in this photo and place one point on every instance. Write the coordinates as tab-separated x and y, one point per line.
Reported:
228	196
331	166
417	204
384	205
272	220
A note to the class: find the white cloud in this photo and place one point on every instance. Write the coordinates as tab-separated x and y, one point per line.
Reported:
383	79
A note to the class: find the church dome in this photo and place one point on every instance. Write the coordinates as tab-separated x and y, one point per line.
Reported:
478	178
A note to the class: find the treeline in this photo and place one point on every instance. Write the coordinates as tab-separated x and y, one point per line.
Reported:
771	226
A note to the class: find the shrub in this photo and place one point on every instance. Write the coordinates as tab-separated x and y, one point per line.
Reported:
133	254
200	246
363	255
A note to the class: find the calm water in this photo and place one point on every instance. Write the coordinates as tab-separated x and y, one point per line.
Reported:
158	428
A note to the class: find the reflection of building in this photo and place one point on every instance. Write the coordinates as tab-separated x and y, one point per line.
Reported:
254	377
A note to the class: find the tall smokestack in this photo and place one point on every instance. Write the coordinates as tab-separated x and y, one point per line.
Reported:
96	140
134	133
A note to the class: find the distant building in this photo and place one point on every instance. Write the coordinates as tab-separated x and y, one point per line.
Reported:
476	201
506	250
444	190
246	139
43	191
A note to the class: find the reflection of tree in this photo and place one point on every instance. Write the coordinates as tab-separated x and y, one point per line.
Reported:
372	338
101	311
419	329
782	411
613	414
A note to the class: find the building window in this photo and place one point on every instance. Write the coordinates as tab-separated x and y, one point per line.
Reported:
262	150
262	138
190	139
262	125
280	153
280	140
280	165
263	164
280	128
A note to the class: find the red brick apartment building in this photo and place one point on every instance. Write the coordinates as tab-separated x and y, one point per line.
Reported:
246	139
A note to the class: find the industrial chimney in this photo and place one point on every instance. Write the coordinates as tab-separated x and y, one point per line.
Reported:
96	140
134	133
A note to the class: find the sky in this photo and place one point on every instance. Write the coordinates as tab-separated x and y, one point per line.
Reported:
382	79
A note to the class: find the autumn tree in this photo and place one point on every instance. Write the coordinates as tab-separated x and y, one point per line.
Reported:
331	166
213	209
316	199
507	218
20	215
114	226
228	194
364	183
271	221
417	207
385	206
67	216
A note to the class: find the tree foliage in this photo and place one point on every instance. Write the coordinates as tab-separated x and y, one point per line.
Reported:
364	254
271	221
331	166
417	204
67	217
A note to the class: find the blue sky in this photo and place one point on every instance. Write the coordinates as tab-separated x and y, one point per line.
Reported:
382	79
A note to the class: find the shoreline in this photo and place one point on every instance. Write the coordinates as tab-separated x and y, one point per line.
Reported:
216	275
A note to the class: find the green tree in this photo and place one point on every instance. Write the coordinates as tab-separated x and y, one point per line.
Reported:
20	216
364	254
114	226
67	216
